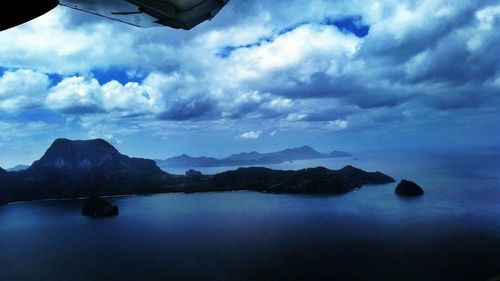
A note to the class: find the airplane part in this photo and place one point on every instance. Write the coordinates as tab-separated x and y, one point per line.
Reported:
183	14
16	13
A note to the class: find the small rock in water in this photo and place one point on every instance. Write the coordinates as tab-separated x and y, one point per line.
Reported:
98	207
409	188
193	173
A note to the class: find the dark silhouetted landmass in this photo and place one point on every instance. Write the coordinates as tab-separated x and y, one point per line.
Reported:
98	207
80	169
3	199
408	188
317	180
18	168
72	169
248	158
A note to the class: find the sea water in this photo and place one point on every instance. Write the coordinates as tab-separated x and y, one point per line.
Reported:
450	233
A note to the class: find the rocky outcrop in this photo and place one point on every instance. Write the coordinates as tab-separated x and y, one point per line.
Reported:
193	173
408	188
98	207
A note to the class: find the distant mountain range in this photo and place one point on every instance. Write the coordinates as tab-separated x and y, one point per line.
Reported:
248	158
18	168
71	169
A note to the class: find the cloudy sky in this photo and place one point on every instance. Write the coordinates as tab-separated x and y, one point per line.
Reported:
262	75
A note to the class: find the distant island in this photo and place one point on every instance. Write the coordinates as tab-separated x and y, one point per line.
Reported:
248	158
18	168
83	168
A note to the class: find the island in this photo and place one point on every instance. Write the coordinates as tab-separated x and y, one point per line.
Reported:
18	168
248	158
408	188
84	168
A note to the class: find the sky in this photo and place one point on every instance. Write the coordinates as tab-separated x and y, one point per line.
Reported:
262	75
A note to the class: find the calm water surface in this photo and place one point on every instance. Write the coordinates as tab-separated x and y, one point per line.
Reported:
451	233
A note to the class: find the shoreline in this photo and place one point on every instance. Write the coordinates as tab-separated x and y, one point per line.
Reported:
189	193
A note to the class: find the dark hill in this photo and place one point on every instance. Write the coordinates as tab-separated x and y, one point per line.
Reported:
79	154
83	168
408	188
298	153
317	180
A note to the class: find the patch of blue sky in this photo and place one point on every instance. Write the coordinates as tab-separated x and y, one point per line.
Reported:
119	74
34	114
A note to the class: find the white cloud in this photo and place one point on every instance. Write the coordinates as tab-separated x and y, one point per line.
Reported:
51	44
485	27
251	135
279	104
487	16
22	88
289	52
496	82
337	125
80	95
286	66
75	94
292	117
93	134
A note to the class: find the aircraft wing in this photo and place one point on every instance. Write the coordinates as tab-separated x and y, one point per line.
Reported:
184	14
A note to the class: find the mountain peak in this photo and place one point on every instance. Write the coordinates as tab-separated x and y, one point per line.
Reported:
86	154
298	153
91	142
304	148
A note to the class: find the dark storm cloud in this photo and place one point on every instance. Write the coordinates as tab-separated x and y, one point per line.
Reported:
452	61
346	89
419	38
198	108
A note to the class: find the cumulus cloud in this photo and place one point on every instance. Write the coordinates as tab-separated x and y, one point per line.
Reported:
21	89
251	135
51	44
75	95
80	95
296	117
337	125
